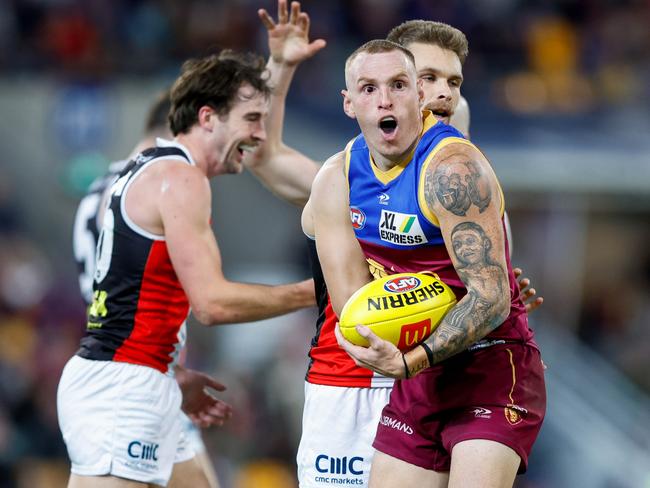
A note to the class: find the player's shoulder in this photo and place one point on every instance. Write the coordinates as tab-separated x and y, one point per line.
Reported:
458	151
329	181
331	172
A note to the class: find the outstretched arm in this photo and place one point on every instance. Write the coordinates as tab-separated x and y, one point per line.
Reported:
192	246
285	171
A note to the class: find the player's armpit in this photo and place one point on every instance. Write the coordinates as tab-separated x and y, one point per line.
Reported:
344	265
461	190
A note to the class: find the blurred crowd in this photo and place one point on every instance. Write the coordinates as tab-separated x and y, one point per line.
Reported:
560	55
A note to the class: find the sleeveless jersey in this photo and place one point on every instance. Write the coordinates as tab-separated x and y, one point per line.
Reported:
139	306
329	364
85	230
398	233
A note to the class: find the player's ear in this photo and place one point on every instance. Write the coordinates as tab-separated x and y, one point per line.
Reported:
347	105
206	117
419	83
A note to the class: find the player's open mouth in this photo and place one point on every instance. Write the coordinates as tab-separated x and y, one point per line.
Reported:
243	147
388	125
441	114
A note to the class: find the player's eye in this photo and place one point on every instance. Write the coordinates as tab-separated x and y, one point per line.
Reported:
399	85
368	89
429	78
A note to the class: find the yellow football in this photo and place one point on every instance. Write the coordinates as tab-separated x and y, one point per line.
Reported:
402	308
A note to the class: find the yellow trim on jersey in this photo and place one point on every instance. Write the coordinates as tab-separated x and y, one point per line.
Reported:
346	163
424	208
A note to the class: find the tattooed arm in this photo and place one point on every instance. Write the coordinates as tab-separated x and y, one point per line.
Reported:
462	192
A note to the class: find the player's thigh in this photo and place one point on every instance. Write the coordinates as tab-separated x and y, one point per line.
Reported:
484	463
390	472
77	481
188	474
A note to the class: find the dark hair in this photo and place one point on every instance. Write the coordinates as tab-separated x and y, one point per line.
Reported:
429	32
213	81
379	46
158	115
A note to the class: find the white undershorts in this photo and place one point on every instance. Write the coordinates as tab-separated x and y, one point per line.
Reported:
120	419
338	427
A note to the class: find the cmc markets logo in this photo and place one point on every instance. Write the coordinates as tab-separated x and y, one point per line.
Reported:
344	465
402	284
358	218
143	450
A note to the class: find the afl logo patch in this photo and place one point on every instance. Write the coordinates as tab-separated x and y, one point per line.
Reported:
403	284
358	218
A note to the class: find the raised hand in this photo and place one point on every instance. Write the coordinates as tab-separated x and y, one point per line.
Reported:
198	403
289	37
528	293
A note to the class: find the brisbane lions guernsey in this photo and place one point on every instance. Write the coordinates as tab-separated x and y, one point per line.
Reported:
139	306
329	364
397	231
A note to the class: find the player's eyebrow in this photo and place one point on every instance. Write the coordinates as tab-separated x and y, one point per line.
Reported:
365	80
431	70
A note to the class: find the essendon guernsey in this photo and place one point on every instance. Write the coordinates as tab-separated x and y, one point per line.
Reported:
138	304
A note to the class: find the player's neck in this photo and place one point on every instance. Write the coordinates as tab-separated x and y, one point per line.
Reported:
386	163
199	154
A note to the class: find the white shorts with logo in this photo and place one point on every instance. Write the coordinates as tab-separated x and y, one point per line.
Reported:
338	427
121	419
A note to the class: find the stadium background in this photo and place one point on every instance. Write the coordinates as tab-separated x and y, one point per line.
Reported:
559	92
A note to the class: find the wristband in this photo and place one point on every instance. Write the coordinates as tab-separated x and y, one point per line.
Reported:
406	367
429	352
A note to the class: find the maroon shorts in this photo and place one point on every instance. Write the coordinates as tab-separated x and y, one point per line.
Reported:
496	393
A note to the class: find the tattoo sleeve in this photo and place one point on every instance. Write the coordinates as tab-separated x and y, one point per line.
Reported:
487	302
457	186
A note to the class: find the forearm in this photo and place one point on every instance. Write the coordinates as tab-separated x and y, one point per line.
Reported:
281	75
473	318
251	302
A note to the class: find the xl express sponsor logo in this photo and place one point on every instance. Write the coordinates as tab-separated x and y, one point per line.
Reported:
400	228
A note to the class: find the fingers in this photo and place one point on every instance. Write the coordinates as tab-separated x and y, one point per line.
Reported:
295	13
523	283
283	13
214	384
316	46
527	294
517	272
534	305
366	333
304	23
266	19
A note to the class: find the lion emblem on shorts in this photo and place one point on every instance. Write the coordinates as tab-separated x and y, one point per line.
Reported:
512	416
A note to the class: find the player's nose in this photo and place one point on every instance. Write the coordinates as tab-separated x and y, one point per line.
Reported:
259	134
385	99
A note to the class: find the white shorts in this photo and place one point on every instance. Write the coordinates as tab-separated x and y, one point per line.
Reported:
338	427
120	419
192	440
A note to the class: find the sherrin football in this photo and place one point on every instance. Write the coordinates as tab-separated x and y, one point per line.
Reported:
402	308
